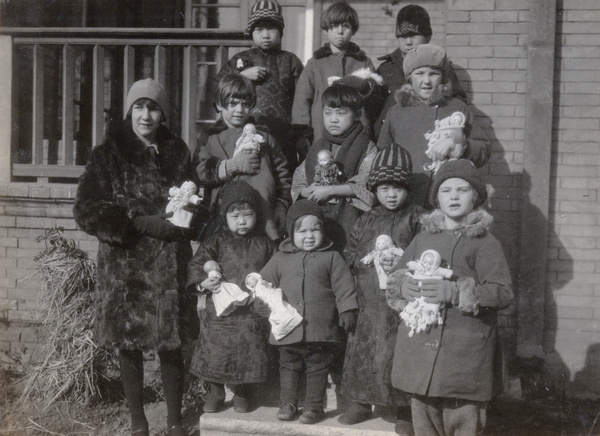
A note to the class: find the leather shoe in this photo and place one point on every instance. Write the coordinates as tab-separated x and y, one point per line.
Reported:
287	411
356	413
311	416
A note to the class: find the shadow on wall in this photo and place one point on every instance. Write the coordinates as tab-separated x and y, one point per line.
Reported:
587	381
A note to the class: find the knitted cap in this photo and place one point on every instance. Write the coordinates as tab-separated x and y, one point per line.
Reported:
239	191
413	20
300	208
365	81
265	10
148	88
425	55
461	169
391	165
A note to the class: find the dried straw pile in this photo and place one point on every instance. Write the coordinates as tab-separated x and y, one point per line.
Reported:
71	366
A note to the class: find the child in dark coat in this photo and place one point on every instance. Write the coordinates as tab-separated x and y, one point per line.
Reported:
369	351
317	282
425	99
450	370
274	73
232	349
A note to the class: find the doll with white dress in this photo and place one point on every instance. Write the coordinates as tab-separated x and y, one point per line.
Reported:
384	250
228	296
249	141
179	198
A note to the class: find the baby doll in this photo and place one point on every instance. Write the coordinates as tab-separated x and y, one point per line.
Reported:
250	140
420	315
327	172
283	317
180	198
384	250
228	296
447	140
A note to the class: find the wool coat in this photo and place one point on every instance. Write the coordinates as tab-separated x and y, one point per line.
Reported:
233	348
394	78
368	361
308	103
140	280
459	358
409	120
318	284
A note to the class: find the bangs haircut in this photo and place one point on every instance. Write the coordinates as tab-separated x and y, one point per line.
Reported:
342	96
235	86
241	206
340	13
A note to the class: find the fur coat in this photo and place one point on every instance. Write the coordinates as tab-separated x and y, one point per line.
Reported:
461	358
409	120
141	280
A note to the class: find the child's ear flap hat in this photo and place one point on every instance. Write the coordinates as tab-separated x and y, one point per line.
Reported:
265	10
425	55
235	192
413	20
391	165
300	208
460	169
147	88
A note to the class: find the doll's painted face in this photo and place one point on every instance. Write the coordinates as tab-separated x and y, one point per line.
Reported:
383	242
308	233
325	158
392	196
241	218
425	80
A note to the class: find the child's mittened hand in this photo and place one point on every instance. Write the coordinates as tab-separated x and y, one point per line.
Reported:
348	321
411	289
439	291
441	149
262	308
244	163
255	73
212	284
387	263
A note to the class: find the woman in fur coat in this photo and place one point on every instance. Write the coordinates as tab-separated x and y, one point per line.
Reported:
142	257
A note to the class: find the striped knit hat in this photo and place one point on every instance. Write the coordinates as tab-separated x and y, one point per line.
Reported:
391	165
265	10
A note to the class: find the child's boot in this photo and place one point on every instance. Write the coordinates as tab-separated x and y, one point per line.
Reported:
215	398
241	398
357	412
289	381
404	426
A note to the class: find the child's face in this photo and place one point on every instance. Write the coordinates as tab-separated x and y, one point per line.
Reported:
456	198
241	220
425	80
146	116
236	112
407	43
266	35
391	196
308	233
339	35
338	120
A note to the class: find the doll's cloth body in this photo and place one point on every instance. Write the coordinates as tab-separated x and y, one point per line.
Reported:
250	140
283	317
228	297
179	198
384	250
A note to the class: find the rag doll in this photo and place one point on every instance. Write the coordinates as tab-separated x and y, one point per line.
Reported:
327	172
283	317
418	314
384	250
448	138
249	141
227	296
178	199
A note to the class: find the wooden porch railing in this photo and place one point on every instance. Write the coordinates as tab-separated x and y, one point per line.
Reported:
46	41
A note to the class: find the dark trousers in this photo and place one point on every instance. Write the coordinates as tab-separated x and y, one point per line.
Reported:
433	416
314	359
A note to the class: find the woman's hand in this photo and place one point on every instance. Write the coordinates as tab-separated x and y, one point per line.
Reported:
211	284
255	73
307	192
321	194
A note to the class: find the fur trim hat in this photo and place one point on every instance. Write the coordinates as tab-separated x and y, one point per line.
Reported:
148	88
300	208
239	191
391	165
413	20
425	55
265	10
461	169
365	81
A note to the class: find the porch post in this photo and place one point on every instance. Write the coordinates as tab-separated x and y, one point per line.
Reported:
6	108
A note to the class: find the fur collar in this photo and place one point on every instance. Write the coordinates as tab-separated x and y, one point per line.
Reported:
475	225
353	51
406	96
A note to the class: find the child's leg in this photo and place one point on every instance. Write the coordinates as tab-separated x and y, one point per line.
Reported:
132	376
463	417
171	372
215	398
291	363
241	397
427	416
318	362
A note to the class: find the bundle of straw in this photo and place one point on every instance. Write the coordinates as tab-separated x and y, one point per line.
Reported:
71	364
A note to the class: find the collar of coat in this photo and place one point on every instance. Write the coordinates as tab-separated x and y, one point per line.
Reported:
395	56
122	132
475	224
220	126
287	246
406	96
353	51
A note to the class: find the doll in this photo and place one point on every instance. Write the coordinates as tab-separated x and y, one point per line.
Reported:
447	138
228	295
384	250
283	316
178	199
327	172
249	141
420	315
